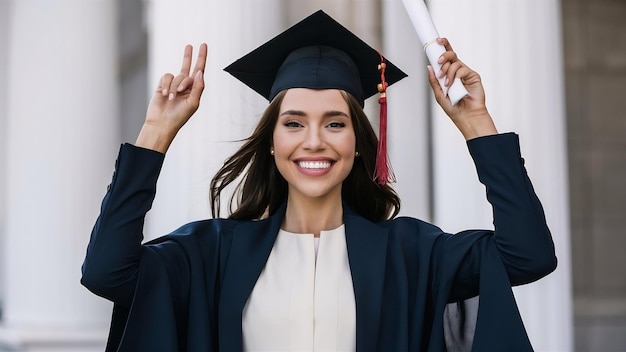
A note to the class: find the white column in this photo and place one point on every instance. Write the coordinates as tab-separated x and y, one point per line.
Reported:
62	137
4	34
228	111
516	47
408	127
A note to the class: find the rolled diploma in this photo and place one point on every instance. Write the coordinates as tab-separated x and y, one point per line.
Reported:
427	33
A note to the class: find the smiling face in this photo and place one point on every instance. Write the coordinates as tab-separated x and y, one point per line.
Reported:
314	142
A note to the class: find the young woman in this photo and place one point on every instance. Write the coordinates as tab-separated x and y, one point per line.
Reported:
312	258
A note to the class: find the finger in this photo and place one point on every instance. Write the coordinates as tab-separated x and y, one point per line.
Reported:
164	84
467	75
174	85
448	56
440	96
185	84
184	69
445	60
196	90
453	72
445	43
432	79
444	69
201	61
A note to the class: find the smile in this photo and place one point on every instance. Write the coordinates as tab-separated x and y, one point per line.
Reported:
314	164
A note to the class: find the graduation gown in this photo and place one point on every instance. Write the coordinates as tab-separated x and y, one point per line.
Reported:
186	291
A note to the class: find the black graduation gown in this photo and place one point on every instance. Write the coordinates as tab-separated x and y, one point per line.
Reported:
186	291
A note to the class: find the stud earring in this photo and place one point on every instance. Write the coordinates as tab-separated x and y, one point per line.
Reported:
356	154
271	151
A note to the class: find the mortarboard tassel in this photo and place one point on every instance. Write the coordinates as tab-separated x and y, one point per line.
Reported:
383	173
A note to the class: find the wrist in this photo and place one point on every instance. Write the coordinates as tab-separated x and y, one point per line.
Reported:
155	138
477	125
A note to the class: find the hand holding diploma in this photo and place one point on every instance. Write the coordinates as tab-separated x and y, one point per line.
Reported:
427	33
457	88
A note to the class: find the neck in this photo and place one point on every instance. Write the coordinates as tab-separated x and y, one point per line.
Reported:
313	215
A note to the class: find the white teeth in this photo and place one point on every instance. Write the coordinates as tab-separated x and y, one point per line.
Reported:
314	164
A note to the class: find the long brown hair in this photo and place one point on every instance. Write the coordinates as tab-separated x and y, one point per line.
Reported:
263	189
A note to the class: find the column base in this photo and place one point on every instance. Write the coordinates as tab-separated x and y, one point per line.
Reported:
52	340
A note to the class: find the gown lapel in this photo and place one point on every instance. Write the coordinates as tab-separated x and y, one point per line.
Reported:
251	246
367	254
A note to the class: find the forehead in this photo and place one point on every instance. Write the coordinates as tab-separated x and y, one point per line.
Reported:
312	100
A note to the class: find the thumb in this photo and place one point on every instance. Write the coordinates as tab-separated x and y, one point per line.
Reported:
440	96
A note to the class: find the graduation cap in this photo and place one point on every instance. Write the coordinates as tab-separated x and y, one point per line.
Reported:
320	53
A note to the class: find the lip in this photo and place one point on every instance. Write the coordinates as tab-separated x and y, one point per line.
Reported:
314	171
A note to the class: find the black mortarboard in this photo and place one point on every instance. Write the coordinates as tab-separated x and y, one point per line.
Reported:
317	52
320	53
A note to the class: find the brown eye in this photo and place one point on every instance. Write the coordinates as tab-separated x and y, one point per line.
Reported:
336	125
292	124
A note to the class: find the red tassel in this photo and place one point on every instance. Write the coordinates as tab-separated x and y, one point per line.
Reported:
383	173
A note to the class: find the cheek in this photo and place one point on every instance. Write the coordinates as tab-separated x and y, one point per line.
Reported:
350	150
281	144
347	145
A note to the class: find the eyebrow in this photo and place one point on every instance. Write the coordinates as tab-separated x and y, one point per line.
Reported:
330	113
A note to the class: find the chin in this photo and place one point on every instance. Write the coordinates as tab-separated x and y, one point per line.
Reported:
317	193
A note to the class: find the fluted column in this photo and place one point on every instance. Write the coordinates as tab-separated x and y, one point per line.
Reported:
4	34
61	133
516	47
408	122
228	110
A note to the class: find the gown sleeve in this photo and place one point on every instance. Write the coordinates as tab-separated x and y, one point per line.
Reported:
161	302
521	235
112	262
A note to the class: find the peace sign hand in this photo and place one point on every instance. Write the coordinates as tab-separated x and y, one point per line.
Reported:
173	102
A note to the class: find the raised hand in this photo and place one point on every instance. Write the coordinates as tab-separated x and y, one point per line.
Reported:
173	102
470	115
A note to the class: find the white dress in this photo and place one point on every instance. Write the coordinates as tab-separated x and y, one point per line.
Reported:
300	303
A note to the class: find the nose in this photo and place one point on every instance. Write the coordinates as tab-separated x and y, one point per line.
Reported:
314	139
